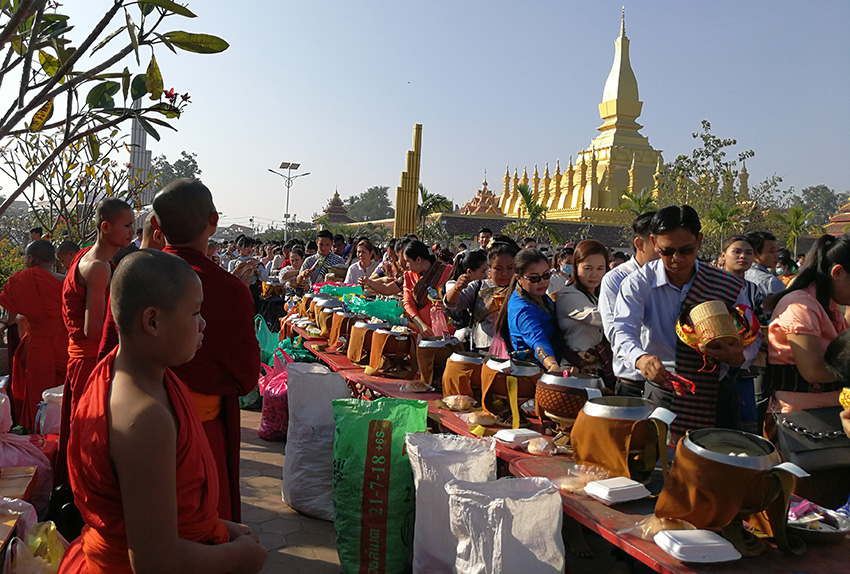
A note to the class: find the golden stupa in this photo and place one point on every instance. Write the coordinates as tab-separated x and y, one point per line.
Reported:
619	159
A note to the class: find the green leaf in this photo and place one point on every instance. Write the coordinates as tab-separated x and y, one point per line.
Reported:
160	122
198	43
134	40
165	42
171	7
148	128
167	110
125	81
100	96
49	64
94	147
107	39
138	87
146	8
153	80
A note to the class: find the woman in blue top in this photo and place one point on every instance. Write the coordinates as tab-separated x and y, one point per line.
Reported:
528	323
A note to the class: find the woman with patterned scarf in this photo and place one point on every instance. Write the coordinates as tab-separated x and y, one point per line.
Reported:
424	272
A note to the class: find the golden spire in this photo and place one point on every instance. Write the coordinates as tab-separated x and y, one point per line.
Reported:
546	181
632	175
506	189
524	179
744	191
656	178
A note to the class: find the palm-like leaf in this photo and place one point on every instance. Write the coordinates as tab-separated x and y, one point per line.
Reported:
534	223
638	203
795	221
724	217
430	203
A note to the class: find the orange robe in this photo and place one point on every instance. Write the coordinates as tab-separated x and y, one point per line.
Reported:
109	338
82	358
102	548
224	368
41	358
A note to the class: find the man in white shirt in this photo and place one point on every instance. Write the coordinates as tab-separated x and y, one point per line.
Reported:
629	380
314	270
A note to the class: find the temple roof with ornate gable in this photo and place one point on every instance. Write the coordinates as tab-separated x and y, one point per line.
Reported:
840	222
335	210
483	203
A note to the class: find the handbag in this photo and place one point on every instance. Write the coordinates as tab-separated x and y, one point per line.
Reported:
813	439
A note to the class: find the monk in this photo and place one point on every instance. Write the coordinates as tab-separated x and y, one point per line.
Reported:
228	365
151	239
41	358
65	253
84	307
141	470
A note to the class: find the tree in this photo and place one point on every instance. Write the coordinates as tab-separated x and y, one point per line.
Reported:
185	166
63	199
74	88
822	201
430	203
797	222
724	217
374	203
638	203
533	223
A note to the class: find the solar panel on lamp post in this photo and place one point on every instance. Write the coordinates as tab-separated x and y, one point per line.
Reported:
288	178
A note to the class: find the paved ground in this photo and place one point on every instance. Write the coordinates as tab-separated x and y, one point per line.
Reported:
298	543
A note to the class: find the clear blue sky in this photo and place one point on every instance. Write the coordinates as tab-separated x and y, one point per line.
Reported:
338	86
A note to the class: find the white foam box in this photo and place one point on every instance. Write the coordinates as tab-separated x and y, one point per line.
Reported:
614	490
702	546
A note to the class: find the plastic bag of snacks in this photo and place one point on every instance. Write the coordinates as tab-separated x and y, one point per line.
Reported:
373	483
268	341
39	552
389	311
341	289
275	419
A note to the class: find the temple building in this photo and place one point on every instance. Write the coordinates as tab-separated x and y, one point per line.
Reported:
839	223
485	202
619	159
335	211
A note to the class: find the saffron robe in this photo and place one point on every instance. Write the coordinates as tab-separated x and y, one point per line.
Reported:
41	359
102	548
82	358
224	368
109	337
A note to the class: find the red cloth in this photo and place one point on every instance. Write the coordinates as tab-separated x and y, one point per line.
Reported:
109	339
227	365
41	359
82	357
102	548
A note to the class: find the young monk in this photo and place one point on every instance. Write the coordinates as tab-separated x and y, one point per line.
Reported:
151	239
41	358
141	470
84	307
228	365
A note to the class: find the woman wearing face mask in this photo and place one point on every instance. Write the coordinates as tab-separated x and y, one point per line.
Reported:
578	316
527	322
563	270
787	267
484	296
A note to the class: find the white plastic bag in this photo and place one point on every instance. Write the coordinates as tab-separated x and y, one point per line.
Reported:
507	526
308	457
26	510
5	413
435	460
49	415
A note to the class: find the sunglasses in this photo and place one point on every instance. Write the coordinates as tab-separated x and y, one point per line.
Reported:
671	251
545	277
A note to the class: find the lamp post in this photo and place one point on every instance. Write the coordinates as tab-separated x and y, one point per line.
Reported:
288	178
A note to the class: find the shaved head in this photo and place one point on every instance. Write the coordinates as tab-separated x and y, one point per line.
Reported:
148	278
41	251
183	209
67	246
147	227
109	210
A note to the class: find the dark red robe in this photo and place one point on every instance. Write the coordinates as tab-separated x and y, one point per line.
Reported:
102	548
41	359
82	357
226	366
109	338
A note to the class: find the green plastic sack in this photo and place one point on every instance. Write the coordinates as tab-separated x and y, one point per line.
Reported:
267	339
389	311
340	290
296	351
374	502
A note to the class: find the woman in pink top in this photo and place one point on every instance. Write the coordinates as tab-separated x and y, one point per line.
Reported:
425	272
805	320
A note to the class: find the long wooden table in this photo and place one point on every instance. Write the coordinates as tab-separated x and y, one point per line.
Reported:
604	520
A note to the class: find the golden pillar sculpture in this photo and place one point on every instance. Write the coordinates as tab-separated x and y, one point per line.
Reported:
546	181
407	194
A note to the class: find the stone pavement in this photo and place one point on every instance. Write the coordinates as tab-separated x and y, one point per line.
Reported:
296	543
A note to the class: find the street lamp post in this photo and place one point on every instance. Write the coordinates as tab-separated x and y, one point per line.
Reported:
288	178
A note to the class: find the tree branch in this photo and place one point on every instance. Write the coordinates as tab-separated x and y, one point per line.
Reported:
24	11
25	75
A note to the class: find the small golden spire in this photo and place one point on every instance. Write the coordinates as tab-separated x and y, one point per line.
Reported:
558	166
623	23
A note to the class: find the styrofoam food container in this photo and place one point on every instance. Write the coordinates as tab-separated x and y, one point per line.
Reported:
618	489
515	437
696	546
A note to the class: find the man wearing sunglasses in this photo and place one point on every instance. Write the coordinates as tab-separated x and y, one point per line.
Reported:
648	307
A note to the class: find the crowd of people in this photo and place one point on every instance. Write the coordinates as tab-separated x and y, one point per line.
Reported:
153	462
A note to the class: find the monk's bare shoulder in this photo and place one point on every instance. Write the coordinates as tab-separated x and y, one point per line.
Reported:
137	420
94	271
